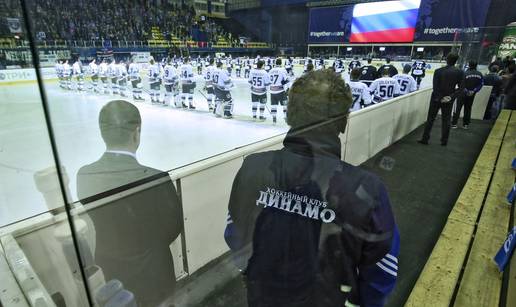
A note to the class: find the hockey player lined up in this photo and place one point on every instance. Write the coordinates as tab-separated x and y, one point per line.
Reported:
355	63
103	73
385	87
407	83
67	75
222	84
279	81
229	65
59	73
187	83
170	81
338	66
199	65
113	76
319	64
247	67
289	64
418	71
308	61
121	72
208	79
359	91
136	80
368	73
93	69
268	65
259	80
154	75
387	67
238	67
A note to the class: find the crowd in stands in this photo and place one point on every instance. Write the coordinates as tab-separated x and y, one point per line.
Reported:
116	20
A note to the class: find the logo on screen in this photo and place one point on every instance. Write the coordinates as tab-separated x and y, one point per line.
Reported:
384	22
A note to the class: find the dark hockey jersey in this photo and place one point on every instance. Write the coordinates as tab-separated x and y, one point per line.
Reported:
310	230
368	73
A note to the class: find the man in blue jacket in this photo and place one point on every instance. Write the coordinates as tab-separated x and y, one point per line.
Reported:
304	227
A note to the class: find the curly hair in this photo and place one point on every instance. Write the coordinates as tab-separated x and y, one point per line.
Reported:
317	97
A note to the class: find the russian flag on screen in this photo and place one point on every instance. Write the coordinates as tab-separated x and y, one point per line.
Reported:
384	22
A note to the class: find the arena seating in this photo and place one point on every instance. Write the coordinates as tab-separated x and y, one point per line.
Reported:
461	270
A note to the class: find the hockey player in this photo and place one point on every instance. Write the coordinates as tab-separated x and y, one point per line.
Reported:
319	64
103	73
170	81
338	66
307	61
355	63
59	73
368	73
247	67
389	67
121	72
229	65
418	71
385	88
154	80
359	91
67	75
199	65
407	83
112	74
136	81
208	78
222	84
268	65
289	65
259	80
238	67
187	83
94	75
279	81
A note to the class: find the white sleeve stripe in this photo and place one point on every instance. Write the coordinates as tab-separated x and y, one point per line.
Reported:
388	263
387	270
229	222
391	257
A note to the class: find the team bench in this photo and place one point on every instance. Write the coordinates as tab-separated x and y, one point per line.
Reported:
460	270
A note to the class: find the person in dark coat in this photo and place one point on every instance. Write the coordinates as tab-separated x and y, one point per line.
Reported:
305	228
134	208
446	88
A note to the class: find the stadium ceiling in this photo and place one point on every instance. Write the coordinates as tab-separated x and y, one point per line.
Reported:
338	2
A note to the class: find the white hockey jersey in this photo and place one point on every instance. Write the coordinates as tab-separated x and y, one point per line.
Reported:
103	69
134	71
77	68
121	71
279	79
361	95
186	74
221	79
259	80
93	69
59	69
208	75
169	75
407	83
385	88
154	73
112	70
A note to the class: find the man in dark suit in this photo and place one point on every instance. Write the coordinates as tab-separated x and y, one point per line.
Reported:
446	88
135	209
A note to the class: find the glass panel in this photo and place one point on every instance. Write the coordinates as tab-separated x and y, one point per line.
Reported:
37	251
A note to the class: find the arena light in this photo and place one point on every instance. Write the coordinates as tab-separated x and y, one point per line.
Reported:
382	48
349	48
420	49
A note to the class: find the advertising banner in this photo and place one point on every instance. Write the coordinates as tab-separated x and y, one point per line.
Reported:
446	20
508	45
330	24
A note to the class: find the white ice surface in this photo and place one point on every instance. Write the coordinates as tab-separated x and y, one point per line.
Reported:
170	138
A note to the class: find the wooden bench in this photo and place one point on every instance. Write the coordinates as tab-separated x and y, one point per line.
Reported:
461	271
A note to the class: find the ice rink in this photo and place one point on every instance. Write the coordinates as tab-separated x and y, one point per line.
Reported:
170	138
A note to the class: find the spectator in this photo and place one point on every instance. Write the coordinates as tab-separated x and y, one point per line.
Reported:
306	228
